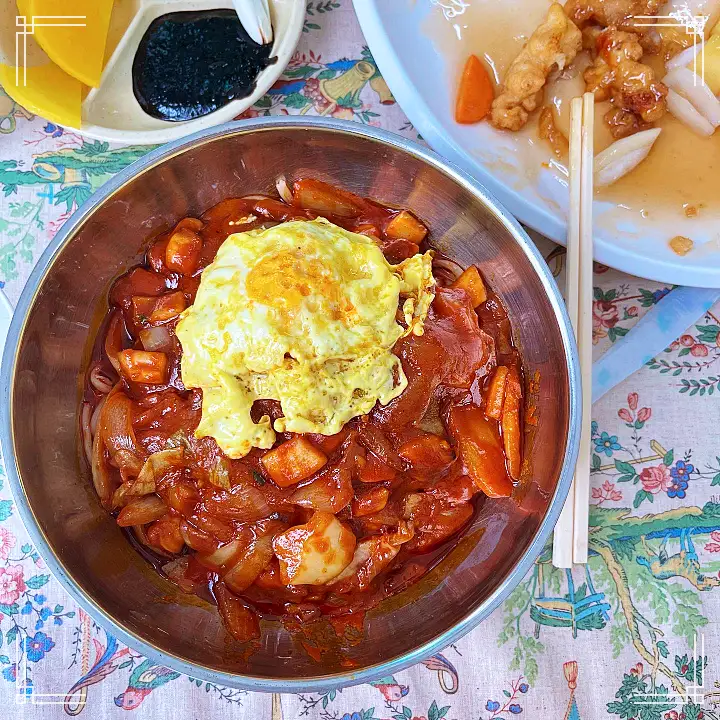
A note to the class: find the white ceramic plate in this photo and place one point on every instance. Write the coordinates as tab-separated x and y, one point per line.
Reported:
110	112
423	79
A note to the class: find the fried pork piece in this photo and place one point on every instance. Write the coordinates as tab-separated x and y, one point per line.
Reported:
618	75
616	13
554	44
547	130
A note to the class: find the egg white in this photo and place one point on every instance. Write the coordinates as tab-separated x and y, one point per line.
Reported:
305	313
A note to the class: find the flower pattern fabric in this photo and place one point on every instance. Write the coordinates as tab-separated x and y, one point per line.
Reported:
593	642
11	584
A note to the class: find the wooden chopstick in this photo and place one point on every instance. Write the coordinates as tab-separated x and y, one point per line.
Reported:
571	530
564	529
584	333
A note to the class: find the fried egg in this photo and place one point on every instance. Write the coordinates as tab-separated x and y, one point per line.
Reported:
305	313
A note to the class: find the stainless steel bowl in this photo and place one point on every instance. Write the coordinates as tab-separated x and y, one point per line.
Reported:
48	348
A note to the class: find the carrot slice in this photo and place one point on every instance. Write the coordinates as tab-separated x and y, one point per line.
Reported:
475	94
496	393
511	423
405	226
471	282
481	450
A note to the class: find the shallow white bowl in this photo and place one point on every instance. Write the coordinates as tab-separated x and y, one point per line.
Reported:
111	112
421	81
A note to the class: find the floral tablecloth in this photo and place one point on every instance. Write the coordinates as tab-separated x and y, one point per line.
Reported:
620	638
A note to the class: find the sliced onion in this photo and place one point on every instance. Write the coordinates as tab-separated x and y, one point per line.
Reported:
142	511
101	473
157	339
128	463
239	620
154	468
113	339
219	474
100	381
330	489
120	497
330	492
254	559
377	443
96	416
693	88
221	530
115	427
176	572
222	556
85	416
141	536
372	555
683	110
446	268
623	156
197	539
284	190
325	199
684	58
243	503
178	439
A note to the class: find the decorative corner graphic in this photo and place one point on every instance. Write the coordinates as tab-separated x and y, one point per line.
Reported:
21	36
692	24
694	693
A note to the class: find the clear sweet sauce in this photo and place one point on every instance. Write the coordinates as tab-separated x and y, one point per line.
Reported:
682	172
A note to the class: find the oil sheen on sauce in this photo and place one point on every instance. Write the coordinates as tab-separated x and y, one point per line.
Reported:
683	168
189	64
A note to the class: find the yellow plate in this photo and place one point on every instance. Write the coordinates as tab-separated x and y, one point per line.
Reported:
79	51
49	92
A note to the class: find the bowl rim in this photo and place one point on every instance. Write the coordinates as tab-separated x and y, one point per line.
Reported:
320	682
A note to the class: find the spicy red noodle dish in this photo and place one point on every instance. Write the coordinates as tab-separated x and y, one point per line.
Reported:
295	406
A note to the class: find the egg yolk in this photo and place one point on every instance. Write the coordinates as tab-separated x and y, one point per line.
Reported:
284	280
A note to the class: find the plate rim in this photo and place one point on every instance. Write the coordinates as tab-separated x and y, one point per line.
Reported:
525	210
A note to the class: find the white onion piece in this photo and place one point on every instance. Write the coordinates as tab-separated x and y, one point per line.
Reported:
243	503
623	156
694	89
157	465
100	381
684	58
284	190
141	536
684	111
156	339
141	511
224	555
175	571
96	416
101	473
85	416
250	563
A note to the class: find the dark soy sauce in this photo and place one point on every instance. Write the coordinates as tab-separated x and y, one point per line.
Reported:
189	64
